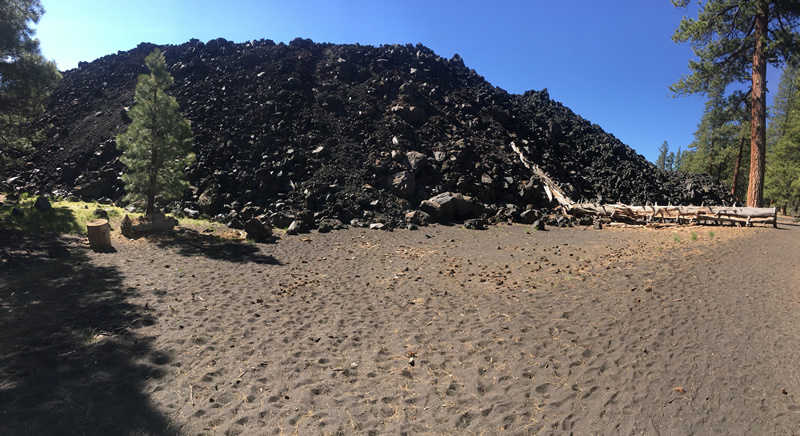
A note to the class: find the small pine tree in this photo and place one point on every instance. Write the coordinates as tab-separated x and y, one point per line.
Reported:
678	164
669	162
157	145
661	161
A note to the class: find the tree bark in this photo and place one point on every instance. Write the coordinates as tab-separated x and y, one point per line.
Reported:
736	167
758	131
151	188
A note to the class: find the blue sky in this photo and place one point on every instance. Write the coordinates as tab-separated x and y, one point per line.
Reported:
609	61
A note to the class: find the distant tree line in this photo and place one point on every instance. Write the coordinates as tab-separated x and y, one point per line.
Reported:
734	41
669	160
719	146
26	79
782	185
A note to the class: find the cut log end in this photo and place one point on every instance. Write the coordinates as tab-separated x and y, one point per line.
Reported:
99	235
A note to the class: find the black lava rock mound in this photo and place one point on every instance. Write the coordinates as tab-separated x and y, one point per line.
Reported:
329	134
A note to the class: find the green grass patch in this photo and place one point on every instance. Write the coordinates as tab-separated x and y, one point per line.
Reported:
190	222
694	236
65	216
710	234
70	217
87	336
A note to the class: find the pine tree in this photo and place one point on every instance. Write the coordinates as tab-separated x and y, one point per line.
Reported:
157	145
669	162
783	175
662	156
783	102
783	159
26	78
733	41
678	164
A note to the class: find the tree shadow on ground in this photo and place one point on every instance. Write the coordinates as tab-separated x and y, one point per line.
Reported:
71	360
189	242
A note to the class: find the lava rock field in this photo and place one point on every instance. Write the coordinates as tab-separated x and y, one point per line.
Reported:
325	135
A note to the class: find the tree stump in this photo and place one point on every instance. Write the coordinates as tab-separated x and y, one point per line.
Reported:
99	235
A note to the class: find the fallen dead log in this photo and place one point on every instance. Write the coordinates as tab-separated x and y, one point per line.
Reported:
552	189
651	215
698	214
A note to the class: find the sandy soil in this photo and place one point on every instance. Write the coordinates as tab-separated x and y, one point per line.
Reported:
437	331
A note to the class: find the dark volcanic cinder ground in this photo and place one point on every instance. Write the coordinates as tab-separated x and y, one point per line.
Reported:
563	331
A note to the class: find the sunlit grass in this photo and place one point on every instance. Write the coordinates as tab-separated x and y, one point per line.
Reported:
69	217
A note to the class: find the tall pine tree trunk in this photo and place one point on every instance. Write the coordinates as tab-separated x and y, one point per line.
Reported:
736	167
152	189
152	181
758	131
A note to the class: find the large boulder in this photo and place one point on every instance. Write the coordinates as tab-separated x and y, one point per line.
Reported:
210	202
328	224
42	204
419	218
259	228
100	213
403	184
448	206
296	227
416	161
282	219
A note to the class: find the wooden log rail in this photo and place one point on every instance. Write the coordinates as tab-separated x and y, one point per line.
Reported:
650	215
700	214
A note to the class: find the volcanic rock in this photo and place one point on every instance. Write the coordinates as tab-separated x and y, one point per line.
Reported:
42	204
419	218
403	184
475	224
191	213
345	132
448	206
326	225
258	228
296	227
